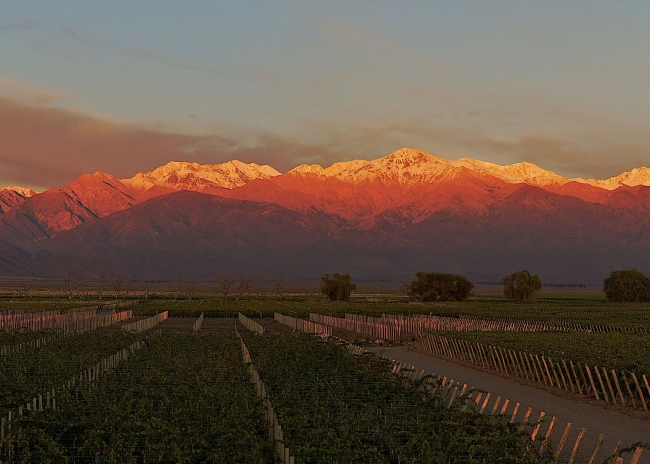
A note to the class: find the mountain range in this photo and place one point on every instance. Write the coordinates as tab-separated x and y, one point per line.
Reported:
384	220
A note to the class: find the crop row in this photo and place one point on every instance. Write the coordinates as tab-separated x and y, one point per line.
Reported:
24	375
338	407
183	399
629	352
556	311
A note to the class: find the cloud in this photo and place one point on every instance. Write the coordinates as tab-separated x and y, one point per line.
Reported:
30	93
43	146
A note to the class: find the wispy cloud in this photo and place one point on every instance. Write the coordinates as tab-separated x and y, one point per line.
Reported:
30	93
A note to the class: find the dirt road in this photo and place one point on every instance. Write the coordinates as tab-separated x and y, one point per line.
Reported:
595	418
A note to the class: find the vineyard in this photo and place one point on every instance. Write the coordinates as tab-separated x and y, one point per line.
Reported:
267	380
337	407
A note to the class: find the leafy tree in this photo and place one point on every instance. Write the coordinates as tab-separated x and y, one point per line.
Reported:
337	287
521	286
627	286
430	286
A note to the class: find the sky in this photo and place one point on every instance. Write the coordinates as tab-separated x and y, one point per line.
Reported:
126	86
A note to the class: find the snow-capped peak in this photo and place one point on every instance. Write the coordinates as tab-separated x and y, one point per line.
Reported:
194	176
637	176
22	191
411	166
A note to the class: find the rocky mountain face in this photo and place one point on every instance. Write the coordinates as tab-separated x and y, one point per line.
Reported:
11	196
383	219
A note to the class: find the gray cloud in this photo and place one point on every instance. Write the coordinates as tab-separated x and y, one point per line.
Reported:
45	146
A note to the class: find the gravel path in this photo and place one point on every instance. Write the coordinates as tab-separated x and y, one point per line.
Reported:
595	417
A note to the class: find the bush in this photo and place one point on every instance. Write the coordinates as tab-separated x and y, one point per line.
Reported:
627	286
430	286
521	286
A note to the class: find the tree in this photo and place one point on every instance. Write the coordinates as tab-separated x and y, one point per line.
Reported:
116	282
72	281
521	286
337	287
245	282
226	280
101	281
177	282
279	286
432	286
627	286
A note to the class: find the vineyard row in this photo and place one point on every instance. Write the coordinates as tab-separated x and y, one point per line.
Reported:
593	382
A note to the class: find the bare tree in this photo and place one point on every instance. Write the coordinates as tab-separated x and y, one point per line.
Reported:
101	280
177	282
226	280
68	277
78	284
116	282
191	291
279	286
26	286
244	283
128	288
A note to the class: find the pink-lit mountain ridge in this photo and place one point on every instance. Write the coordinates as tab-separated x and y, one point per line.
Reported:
380	219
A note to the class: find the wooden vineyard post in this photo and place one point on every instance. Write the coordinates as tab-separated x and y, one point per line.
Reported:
645	381
639	391
533	436
524	423
603	388
494	360
568	375
485	403
574	453
577	380
527	373
636	456
618	388
531	362
612	393
560	445
599	443
496	406
504	408
629	390
615	454
548	374
591	385
541	370
547	437
554	370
